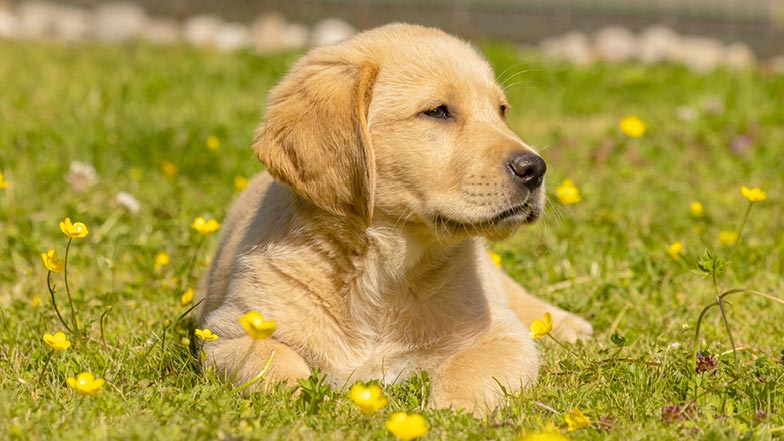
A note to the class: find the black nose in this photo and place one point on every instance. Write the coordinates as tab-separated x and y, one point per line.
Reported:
528	168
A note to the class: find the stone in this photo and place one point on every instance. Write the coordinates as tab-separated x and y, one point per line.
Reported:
739	56
117	22
776	64
200	30
231	37
266	33
72	24
160	31
330	31
615	44
699	54
295	36
656	45
37	19
573	47
9	24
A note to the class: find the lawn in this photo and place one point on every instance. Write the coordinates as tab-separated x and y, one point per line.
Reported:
172	127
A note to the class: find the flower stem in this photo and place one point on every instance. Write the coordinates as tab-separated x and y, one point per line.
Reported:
54	303
743	224
192	263
718	303
103	319
68	289
561	344
46	363
258	377
729	333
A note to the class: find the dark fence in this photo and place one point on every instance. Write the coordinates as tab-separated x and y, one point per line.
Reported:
759	23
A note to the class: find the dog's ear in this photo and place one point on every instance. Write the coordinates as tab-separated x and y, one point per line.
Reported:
315	136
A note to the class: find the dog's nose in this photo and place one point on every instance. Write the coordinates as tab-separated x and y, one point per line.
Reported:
528	168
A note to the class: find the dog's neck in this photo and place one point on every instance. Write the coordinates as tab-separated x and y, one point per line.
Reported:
371	262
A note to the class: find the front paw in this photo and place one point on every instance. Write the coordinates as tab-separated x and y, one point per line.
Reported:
476	399
570	327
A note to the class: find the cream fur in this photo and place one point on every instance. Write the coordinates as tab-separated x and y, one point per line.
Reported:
364	242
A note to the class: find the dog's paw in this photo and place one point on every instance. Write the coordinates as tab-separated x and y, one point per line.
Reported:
570	327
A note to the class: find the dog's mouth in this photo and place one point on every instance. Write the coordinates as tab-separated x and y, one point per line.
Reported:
524	213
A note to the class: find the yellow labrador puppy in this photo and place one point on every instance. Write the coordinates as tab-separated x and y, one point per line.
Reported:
389	160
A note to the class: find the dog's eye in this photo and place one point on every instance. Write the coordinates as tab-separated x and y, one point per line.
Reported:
504	109
440	112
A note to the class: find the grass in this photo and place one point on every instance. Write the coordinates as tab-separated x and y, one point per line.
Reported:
129	109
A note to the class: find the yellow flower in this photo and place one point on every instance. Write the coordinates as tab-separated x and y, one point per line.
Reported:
213	143
568	193
187	297
162	259
406	427
58	341
255	325
205	335
495	257
170	169
240	183
696	209
728	237
548	433
75	230
85	383
36	301
674	250
205	227
753	194
368	399
576	420
3	182
632	126
185	341
539	328
52	262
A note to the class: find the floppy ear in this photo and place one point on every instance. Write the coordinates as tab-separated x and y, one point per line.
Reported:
315	136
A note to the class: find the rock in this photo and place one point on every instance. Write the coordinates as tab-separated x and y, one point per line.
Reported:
615	44
160	31
72	24
573	47
699	54
37	19
200	30
231	36
331	31
115	22
295	36
266	33
9	24
776	64
270	33
656	45
739	56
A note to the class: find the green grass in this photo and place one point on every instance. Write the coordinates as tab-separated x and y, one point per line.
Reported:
127	109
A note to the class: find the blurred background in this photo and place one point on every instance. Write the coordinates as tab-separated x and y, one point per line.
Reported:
701	34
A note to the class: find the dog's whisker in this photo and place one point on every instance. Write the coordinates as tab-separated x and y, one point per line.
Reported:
511	71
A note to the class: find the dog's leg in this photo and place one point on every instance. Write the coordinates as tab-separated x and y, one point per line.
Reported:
566	326
244	358
472	379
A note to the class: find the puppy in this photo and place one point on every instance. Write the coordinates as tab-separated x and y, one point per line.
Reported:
389	159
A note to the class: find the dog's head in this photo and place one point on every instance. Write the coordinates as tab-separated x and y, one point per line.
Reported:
404	124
